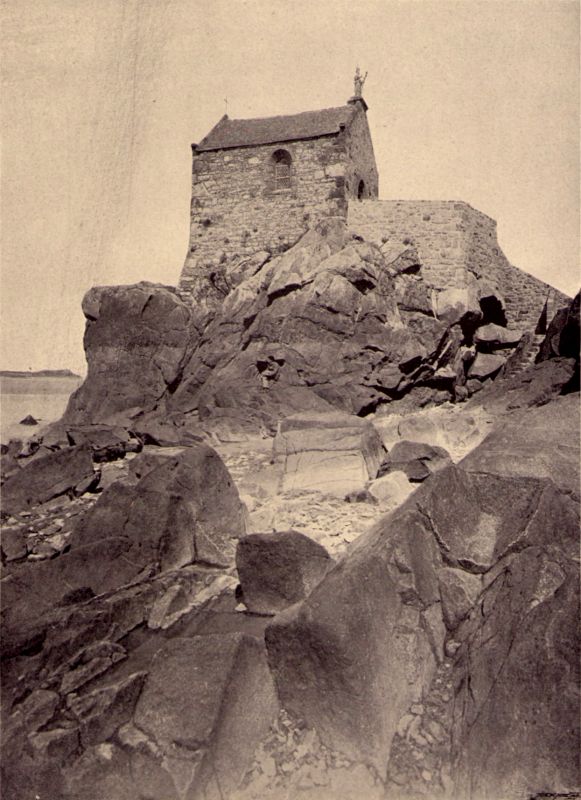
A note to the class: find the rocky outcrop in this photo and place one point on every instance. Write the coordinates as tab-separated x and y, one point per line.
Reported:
479	563
107	442
183	509
331	320
94	703
136	340
279	569
562	338
327	324
202	739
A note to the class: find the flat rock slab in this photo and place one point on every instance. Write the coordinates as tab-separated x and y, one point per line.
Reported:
46	477
279	569
486	365
107	442
497	336
331	452
210	700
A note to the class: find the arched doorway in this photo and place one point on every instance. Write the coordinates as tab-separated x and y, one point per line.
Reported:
361	190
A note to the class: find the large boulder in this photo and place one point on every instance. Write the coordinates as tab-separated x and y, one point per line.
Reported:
136	341
495	336
183	508
457	304
46	476
352	657
562	338
517	709
279	569
541	442
207	703
486	365
391	490
333	452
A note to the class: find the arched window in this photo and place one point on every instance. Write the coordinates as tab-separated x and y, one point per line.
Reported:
361	190
282	169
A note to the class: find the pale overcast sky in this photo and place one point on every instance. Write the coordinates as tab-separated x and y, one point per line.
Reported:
472	100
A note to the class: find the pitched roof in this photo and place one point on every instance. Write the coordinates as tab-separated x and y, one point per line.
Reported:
267	130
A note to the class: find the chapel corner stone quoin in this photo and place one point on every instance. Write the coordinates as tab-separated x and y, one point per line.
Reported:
260	184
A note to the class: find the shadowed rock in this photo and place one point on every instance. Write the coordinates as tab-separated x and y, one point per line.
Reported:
416	459
207	703
136	340
279	569
353	656
45	477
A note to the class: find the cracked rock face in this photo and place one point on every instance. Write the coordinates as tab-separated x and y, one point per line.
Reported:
477	565
136	340
328	322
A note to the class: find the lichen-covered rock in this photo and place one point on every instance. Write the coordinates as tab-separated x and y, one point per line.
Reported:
279	569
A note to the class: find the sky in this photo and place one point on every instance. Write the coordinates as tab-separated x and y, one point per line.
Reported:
472	100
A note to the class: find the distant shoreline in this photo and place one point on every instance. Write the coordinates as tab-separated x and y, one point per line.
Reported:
41	373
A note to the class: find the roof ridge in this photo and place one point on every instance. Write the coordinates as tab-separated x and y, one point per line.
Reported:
345	106
254	131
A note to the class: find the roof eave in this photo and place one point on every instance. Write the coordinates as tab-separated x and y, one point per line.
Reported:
201	149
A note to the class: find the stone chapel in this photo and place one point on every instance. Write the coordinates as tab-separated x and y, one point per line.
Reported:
259	184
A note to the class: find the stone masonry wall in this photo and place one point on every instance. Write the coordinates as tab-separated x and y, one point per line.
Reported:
360	163
236	210
453	240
